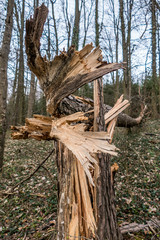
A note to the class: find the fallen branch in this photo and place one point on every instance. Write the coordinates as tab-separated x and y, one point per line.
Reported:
38	167
15	193
48	173
135	227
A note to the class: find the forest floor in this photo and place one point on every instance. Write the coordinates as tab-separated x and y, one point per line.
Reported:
30	211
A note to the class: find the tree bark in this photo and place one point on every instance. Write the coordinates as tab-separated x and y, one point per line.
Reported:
104	208
75	36
4	53
55	27
11	104
31	97
20	101
154	70
126	45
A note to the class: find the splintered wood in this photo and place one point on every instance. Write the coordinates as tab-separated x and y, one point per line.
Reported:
76	159
75	201
37	128
76	156
82	144
71	131
68	71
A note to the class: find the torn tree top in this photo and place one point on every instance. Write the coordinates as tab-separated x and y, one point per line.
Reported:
68	71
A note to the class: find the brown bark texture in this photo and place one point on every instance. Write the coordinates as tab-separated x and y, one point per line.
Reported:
4	53
126	44
31	97
20	99
154	61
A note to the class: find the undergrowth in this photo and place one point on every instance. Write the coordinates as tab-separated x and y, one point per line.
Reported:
31	211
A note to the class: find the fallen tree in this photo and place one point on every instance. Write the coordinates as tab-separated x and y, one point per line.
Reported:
85	187
72	104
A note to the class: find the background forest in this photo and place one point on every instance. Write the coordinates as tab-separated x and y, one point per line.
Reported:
126	31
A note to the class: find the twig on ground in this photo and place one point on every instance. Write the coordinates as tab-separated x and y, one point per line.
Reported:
48	173
38	167
140	159
14	193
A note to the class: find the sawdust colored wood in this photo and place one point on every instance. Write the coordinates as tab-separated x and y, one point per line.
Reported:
75	212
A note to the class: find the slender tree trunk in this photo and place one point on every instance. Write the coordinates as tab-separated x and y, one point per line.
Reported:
20	100
159	67
104	206
55	27
124	47
31	98
154	70
4	53
11	105
117	76
75	36
129	48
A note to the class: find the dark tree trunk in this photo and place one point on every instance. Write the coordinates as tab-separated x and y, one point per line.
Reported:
73	104
20	100
4	53
75	36
154	63
31	97
104	207
107	227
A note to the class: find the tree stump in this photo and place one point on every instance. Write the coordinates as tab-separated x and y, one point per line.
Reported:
86	207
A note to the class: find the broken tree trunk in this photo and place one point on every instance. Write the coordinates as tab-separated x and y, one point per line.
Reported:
68	71
86	204
76	161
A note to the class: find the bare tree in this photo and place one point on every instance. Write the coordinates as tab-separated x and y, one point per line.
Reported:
4	53
31	97
126	43
55	26
87	20
154	65
20	99
67	21
75	35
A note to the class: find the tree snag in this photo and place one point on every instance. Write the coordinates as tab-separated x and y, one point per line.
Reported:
85	194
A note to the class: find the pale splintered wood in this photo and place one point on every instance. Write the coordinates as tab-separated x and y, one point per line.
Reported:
113	113
82	144
116	110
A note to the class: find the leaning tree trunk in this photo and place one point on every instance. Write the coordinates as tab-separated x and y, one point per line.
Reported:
85	197
4	53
